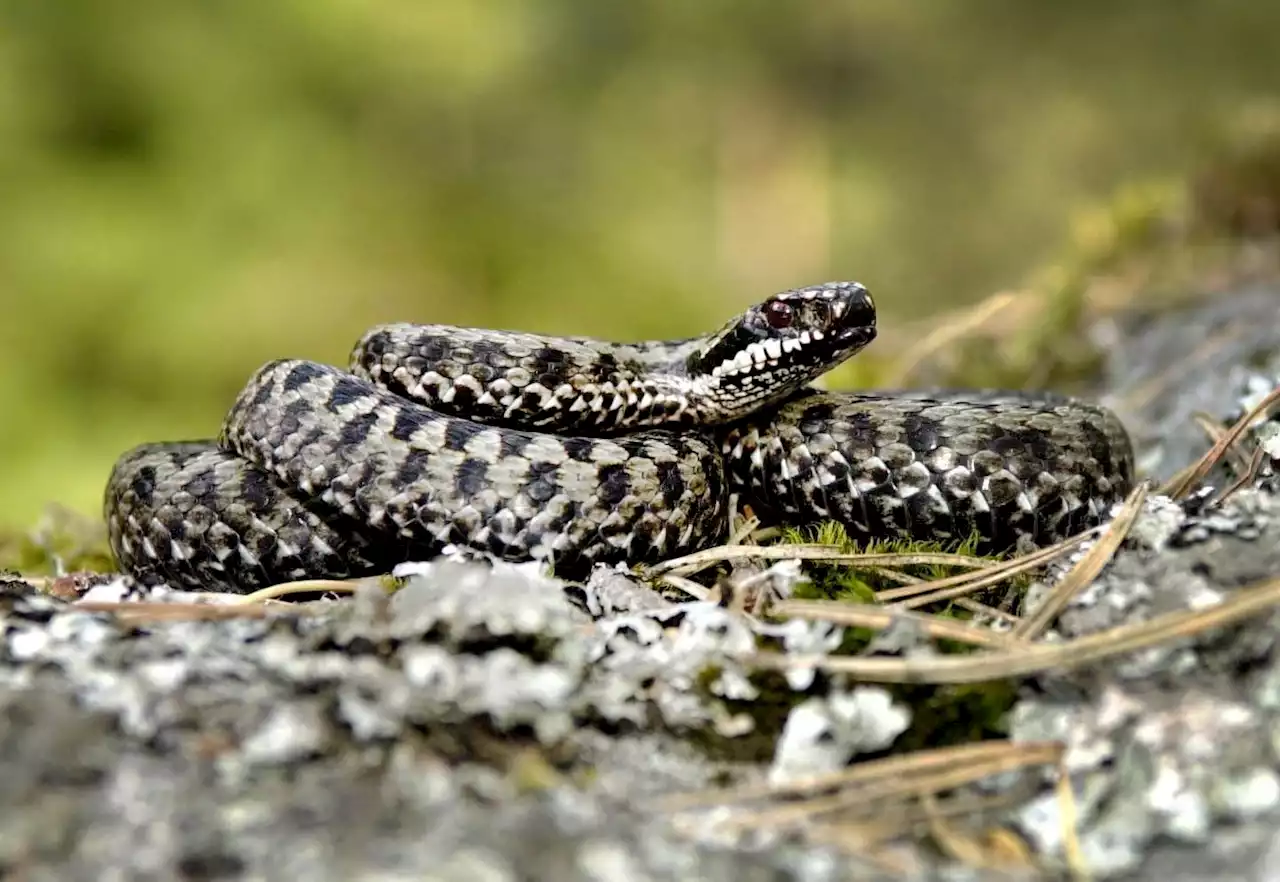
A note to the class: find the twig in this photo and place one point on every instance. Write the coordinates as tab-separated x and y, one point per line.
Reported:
688	586
879	618
1037	657
142	610
966	583
1085	570
308	586
1071	847
868	799
983	609
1215	432
1246	477
898	767
699	560
1181	485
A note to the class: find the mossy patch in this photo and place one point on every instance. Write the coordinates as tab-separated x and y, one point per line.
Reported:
63	541
941	714
858	584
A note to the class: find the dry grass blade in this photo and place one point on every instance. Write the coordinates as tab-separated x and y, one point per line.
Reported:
1071	846
744	530
1086	570
1247	477
308	586
688	586
1215	433
1037	657
1179	478
862	842
863	808
983	609
921	762
879	618
897	821
255	605
1181	485
139	611
872	799
966	583
890	575
764	534
699	560
997	851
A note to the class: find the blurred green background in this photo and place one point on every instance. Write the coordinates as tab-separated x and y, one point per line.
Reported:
192	188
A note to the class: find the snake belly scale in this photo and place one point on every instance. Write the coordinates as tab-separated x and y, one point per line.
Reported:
579	451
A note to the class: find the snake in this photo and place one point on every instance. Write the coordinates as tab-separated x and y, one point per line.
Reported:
580	452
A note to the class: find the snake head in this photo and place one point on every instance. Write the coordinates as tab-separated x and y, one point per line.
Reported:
776	347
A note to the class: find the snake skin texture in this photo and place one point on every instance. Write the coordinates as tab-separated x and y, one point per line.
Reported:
579	452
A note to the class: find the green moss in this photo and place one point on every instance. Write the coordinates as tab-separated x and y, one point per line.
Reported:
62	542
857	583
768	711
941	715
957	714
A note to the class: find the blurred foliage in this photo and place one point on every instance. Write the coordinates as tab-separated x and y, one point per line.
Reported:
193	188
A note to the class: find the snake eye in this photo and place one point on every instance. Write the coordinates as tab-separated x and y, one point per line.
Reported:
779	315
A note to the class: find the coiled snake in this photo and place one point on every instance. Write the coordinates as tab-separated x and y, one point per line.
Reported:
580	451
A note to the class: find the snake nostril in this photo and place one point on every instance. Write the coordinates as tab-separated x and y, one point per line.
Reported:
862	312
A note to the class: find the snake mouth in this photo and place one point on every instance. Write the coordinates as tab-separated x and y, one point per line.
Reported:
856	338
808	349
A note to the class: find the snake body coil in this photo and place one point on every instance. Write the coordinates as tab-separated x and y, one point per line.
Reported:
581	451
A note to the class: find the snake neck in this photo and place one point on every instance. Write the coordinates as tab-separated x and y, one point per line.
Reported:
579	385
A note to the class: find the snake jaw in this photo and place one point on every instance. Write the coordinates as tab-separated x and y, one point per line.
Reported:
776	347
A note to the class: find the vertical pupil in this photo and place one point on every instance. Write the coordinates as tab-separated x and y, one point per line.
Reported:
779	314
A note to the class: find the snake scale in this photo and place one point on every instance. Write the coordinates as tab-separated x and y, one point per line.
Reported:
580	451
